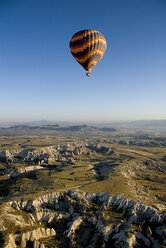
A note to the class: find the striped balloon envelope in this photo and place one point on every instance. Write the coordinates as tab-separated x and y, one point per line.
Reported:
88	47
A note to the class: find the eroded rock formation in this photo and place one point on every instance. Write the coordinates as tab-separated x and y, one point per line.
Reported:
84	220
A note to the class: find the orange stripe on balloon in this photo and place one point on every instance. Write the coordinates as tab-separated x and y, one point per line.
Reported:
82	48
87	56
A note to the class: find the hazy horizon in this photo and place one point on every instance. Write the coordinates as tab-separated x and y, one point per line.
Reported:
86	122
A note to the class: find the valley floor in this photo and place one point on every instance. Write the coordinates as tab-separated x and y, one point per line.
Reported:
122	170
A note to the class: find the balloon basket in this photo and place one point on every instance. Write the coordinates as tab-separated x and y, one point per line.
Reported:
88	74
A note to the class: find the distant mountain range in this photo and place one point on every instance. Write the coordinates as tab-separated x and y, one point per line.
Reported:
54	129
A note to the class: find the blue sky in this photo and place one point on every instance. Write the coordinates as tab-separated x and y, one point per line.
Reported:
39	78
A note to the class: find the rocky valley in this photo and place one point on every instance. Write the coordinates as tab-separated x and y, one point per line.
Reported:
106	190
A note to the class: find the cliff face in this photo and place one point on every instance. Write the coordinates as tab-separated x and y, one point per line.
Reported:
74	219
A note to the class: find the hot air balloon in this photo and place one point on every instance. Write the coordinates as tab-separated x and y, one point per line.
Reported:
88	47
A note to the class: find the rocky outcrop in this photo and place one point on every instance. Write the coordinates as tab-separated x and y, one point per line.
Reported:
6	156
64	153
90	220
24	153
100	148
32	237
